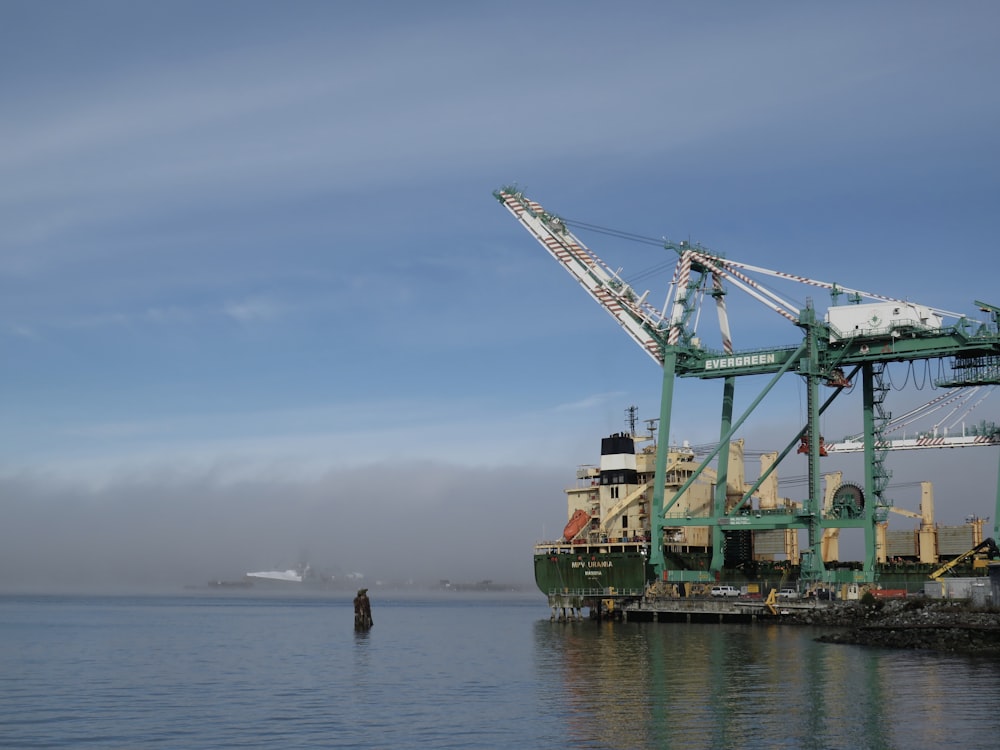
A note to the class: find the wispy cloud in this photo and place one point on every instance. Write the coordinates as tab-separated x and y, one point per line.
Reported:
171	314
253	309
594	401
21	331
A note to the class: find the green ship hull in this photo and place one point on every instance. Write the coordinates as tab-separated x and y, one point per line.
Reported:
626	574
586	573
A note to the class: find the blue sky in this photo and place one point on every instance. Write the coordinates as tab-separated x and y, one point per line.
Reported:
253	245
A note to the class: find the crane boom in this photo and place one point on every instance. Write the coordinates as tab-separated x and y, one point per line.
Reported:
984	434
641	320
905	444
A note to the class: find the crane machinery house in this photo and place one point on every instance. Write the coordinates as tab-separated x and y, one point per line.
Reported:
879	319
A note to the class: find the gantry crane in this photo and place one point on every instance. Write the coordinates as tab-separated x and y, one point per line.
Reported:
857	340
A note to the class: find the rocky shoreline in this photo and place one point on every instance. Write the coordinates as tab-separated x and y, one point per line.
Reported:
932	624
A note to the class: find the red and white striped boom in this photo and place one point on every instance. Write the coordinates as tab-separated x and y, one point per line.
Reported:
641	320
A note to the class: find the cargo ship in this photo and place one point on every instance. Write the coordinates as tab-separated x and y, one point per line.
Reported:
605	543
605	546
603	555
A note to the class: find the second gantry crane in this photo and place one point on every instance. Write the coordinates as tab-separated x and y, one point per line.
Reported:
852	341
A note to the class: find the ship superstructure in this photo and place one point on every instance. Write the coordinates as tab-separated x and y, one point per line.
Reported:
605	547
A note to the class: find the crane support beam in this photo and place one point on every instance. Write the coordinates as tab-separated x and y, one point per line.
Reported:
724	441
705	364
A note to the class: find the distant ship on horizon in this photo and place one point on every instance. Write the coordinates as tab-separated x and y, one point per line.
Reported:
292	575
302	575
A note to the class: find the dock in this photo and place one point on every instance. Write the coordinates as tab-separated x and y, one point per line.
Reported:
705	610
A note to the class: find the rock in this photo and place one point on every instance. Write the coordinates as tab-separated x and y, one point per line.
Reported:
940	625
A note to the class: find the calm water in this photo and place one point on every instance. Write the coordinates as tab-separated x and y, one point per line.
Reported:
465	671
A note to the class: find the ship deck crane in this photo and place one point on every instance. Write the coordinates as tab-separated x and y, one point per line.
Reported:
854	340
926	534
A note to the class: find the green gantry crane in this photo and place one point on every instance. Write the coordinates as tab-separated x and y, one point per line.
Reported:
854	340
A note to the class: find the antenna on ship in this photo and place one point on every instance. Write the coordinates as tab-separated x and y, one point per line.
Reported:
630	419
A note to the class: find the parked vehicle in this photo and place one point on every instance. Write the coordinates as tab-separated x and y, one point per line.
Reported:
788	594
725	591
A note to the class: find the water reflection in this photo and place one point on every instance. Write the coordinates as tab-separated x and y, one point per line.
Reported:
628	685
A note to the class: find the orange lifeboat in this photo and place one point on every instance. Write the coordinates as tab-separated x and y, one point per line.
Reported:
577	521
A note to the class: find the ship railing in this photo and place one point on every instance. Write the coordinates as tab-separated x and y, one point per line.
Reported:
637	542
553	547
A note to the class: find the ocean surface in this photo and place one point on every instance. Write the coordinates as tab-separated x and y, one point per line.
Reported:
462	670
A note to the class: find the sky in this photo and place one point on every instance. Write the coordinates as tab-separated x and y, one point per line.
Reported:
258	304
